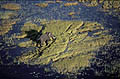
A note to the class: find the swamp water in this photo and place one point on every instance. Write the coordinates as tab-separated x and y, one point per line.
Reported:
87	41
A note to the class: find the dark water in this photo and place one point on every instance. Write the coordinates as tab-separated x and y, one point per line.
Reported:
30	12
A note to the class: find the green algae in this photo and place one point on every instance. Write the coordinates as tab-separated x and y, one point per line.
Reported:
73	47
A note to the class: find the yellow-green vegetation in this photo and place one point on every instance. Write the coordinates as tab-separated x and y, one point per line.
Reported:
11	6
93	3
72	63
74	46
30	26
108	5
71	4
83	0
22	35
6	21
6	25
27	44
7	14
42	4
50	2
71	13
101	1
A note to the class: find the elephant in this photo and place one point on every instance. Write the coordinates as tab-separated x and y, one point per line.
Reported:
44	38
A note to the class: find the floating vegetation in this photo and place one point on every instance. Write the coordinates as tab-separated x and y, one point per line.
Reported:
7	19
11	6
29	30
108	59
74	46
50	2
111	7
91	4
43	5
108	5
6	26
30	26
7	14
86	45
27	44
83	0
71	13
71	4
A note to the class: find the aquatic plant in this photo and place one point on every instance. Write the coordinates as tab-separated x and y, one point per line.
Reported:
75	43
43	5
11	6
91	3
7	14
71	13
111	7
71	4
6	25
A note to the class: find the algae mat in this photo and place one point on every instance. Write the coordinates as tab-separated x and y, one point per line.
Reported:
74	47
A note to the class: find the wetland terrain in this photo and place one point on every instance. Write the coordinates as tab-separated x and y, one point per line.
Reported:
87	44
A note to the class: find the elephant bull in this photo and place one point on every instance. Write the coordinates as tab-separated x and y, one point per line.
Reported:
44	38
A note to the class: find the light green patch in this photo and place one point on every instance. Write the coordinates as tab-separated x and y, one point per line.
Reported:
27	44
93	3
112	7
6	21
71	4
6	25
72	63
7	14
11	6
73	47
30	26
42	4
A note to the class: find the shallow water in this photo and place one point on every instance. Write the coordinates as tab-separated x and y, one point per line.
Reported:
57	11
